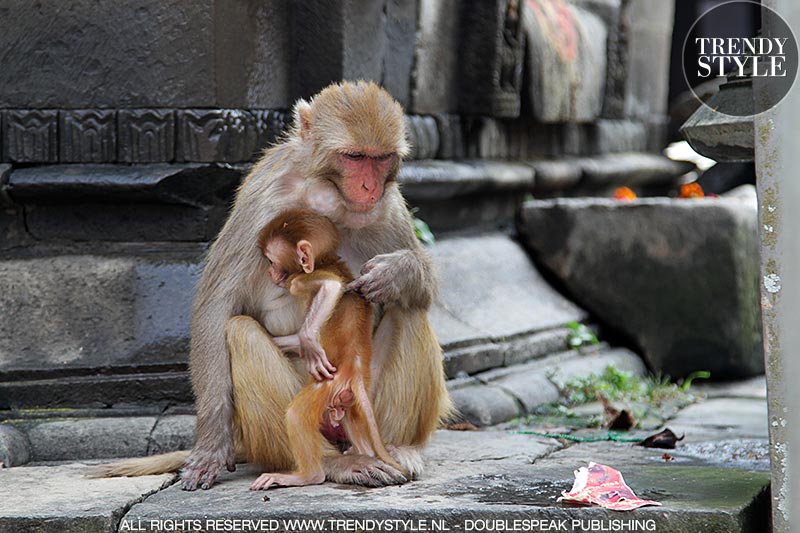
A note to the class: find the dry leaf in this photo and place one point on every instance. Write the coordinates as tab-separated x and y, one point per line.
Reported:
620	420
462	426
666	439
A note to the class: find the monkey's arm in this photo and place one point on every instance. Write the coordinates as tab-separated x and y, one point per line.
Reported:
400	272
327	293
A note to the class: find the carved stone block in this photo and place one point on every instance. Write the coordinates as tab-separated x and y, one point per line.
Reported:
146	135
491	58
269	125
224	135
30	136
423	136
88	136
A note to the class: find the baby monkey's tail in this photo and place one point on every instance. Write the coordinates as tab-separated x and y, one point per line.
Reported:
141	466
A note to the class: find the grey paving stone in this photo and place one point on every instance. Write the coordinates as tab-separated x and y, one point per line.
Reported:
484	405
750	388
488	476
723	418
441	180
58	499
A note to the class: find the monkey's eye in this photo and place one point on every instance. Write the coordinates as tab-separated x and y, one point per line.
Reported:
384	157
355	156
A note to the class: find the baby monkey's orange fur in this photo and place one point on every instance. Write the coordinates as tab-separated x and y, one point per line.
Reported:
336	336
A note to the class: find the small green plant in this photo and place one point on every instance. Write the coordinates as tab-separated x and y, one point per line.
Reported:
421	229
580	335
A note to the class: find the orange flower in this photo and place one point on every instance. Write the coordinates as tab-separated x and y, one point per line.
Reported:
691	190
624	194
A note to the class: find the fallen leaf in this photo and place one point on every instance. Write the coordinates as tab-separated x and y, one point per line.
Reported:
265	499
602	485
620	420
665	439
667	457
462	426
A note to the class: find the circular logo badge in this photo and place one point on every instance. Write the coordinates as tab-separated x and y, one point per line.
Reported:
768	58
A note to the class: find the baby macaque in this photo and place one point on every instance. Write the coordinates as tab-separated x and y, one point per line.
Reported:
335	341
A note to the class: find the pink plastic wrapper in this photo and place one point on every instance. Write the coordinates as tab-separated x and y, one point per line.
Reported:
602	485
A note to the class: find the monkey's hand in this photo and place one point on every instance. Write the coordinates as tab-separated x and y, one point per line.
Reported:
401	277
316	359
203	465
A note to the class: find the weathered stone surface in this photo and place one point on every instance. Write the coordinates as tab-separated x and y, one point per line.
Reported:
556	174
253	48
484	405
216	135
30	136
87	136
489	476
435	75
171	433
88	438
146	135
520	301
443	180
648	34
632	169
56	499
92	311
98	202
566	61
619	136
679	277
723	418
755	388
131	53
490	58
269	126
401	33
530	386
15	449
451	137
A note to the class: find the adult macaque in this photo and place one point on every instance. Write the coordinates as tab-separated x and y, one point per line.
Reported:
340	160
300	246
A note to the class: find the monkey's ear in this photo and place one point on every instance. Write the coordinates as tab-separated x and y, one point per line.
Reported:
305	255
302	117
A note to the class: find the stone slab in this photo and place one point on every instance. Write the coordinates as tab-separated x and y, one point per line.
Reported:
442	180
58	499
679	277
520	301
92	311
484	405
750	388
15	448
723	418
487	476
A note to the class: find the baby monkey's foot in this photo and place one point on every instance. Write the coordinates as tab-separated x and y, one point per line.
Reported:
268	480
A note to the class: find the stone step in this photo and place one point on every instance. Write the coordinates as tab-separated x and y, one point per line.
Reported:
110	325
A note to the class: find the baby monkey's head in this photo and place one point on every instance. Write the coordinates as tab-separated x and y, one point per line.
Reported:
298	240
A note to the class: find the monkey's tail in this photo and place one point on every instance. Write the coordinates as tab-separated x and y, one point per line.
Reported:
141	466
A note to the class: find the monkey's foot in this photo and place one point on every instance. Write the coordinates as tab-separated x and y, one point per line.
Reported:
203	465
362	470
409	457
268	480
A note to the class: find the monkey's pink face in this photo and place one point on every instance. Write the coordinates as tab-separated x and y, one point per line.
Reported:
364	176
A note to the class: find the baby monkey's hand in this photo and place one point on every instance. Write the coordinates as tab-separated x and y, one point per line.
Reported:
316	360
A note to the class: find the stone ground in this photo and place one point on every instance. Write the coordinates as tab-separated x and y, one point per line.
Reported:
717	480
